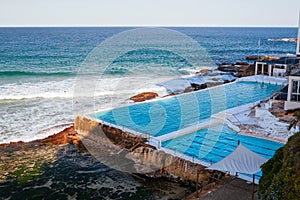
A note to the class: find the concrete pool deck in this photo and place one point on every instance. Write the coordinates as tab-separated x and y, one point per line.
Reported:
265	79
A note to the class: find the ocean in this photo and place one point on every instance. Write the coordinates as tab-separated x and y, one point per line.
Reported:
40	69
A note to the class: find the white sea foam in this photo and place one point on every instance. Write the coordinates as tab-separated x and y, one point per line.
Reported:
37	89
193	70
26	108
65	88
283	39
36	136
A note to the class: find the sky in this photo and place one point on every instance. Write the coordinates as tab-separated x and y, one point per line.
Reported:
265	13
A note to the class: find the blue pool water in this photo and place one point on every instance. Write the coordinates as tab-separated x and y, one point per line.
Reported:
158	118
214	144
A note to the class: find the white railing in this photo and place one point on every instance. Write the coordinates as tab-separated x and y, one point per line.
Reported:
192	159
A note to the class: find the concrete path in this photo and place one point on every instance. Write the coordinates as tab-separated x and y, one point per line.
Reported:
231	188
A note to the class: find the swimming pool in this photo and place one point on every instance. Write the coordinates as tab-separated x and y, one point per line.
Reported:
217	142
164	116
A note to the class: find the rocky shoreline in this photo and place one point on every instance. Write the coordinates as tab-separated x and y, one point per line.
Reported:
205	78
59	166
22	161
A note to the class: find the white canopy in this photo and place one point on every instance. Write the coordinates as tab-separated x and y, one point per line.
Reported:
242	160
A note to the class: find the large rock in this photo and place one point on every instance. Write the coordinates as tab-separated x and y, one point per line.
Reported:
245	70
203	71
144	96
224	67
169	95
198	87
242	63
252	58
195	87
267	58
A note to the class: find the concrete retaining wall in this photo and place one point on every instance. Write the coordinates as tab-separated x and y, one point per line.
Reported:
146	159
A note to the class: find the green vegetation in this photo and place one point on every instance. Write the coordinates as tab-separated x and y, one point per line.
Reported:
24	174
281	174
26	163
49	144
297	114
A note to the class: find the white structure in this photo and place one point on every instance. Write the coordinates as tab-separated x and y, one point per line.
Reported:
277	70
293	96
298	42
261	67
241	160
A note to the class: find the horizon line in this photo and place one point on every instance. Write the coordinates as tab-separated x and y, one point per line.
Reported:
116	26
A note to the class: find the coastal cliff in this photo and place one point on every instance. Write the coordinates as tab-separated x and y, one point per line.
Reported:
281	174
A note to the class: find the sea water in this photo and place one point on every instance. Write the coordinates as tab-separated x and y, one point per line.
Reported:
38	69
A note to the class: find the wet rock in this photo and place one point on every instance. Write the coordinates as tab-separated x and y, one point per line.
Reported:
197	87
16	143
225	63
241	63
203	71
169	95
144	96
266	58
227	81
227	68
213	84
188	89
252	58
64	137
245	70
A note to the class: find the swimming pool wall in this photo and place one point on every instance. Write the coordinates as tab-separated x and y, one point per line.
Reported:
156	162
